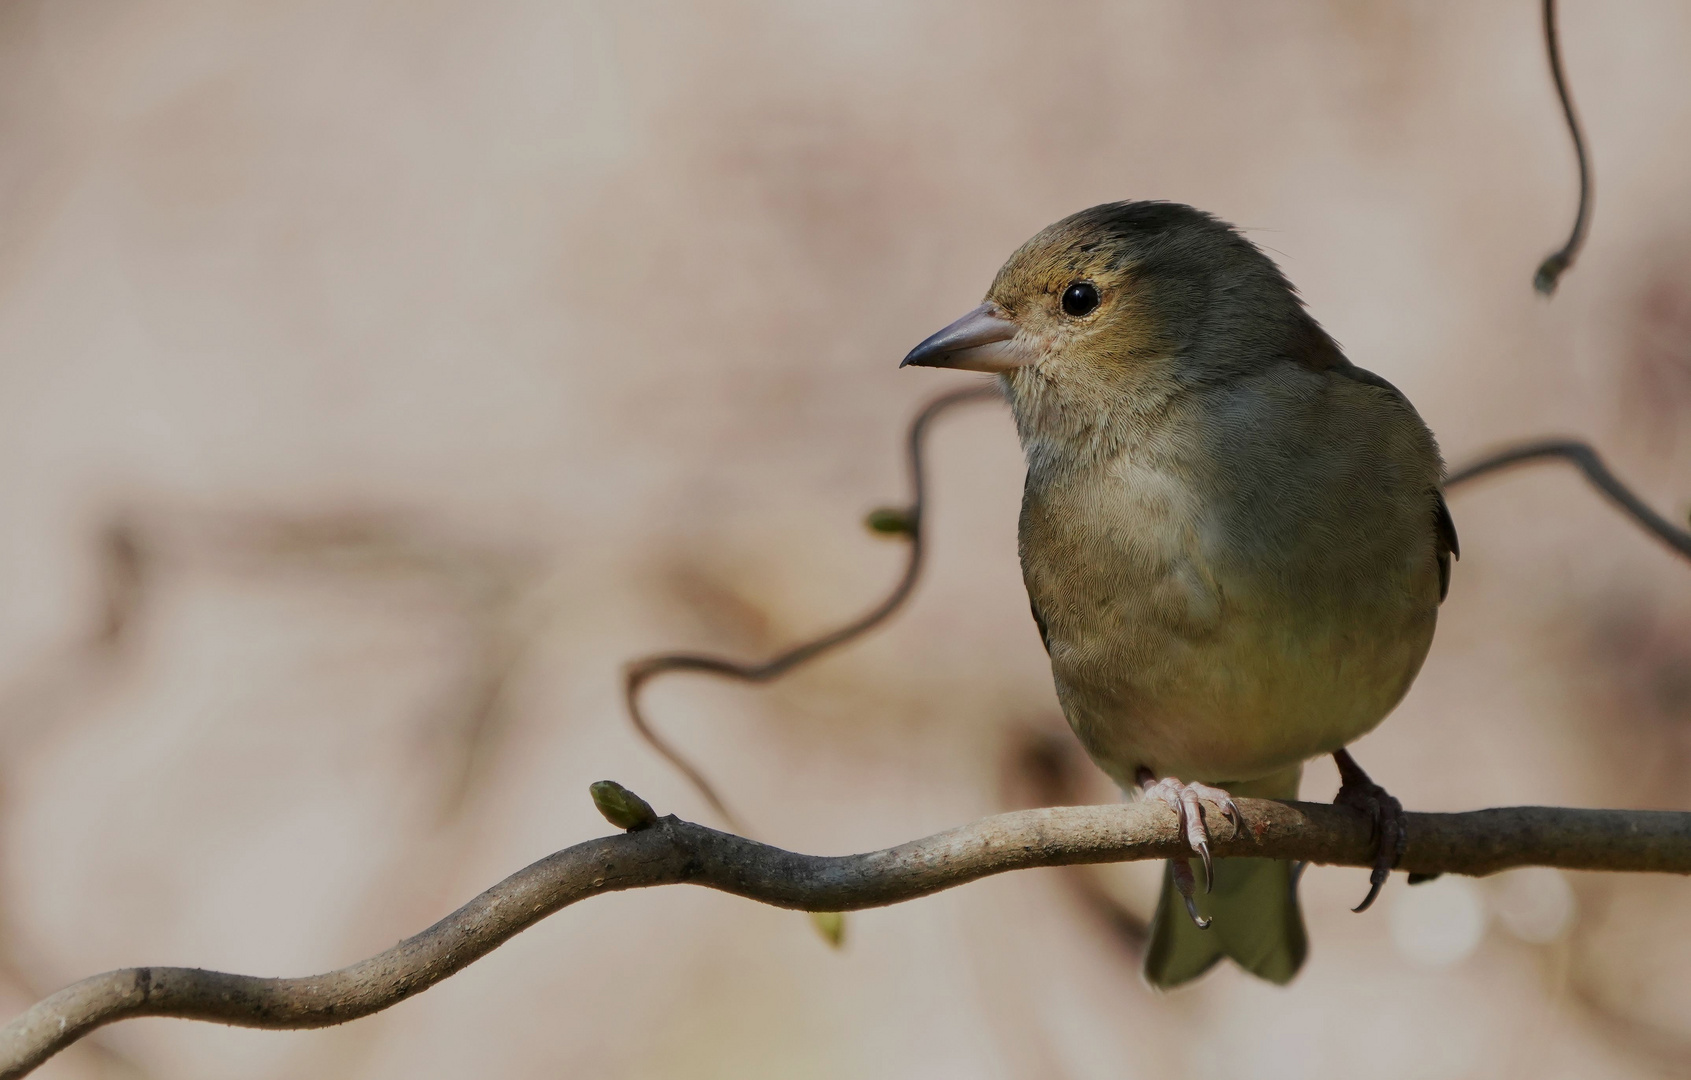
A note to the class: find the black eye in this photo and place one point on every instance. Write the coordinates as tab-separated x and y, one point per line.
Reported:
1080	298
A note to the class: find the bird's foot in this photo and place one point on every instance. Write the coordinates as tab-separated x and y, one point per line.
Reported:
1390	833
1186	800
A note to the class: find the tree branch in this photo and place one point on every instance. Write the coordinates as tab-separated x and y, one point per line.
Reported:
672	852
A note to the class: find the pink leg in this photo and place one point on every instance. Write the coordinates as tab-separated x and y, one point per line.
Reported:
1186	800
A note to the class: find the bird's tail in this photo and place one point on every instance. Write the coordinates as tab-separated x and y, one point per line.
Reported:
1253	911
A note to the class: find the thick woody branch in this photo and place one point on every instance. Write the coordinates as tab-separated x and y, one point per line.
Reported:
668	851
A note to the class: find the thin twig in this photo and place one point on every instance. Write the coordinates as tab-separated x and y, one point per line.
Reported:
908	523
1591	465
1555	264
641	671
671	851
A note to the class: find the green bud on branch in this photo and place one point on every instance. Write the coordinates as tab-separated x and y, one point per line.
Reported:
622	807
831	925
891	521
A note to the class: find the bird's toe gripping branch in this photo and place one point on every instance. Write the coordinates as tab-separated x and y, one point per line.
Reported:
1187	801
1391	836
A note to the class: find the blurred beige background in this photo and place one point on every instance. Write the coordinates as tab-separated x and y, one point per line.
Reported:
376	378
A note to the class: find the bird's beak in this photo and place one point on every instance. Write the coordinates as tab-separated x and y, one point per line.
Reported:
982	340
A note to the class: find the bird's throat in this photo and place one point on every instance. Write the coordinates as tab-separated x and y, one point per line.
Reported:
1068	424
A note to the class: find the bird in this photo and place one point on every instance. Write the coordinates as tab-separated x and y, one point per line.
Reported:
1234	540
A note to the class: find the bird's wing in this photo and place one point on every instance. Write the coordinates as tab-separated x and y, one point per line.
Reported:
1448	547
1039	621
1321	354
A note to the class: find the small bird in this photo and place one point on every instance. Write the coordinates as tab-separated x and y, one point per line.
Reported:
1234	540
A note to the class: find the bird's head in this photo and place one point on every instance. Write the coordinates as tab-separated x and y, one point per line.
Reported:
1111	312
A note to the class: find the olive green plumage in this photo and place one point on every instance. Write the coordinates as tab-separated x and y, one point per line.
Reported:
1233	539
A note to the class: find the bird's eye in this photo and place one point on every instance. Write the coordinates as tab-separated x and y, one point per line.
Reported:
1080	298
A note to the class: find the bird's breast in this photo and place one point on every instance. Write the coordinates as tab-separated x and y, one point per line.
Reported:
1177	647
1115	563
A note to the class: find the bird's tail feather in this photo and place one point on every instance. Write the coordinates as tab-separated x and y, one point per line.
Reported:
1253	910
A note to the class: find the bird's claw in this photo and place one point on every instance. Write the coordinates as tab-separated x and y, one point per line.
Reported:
1186	801
1184	885
1391	836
